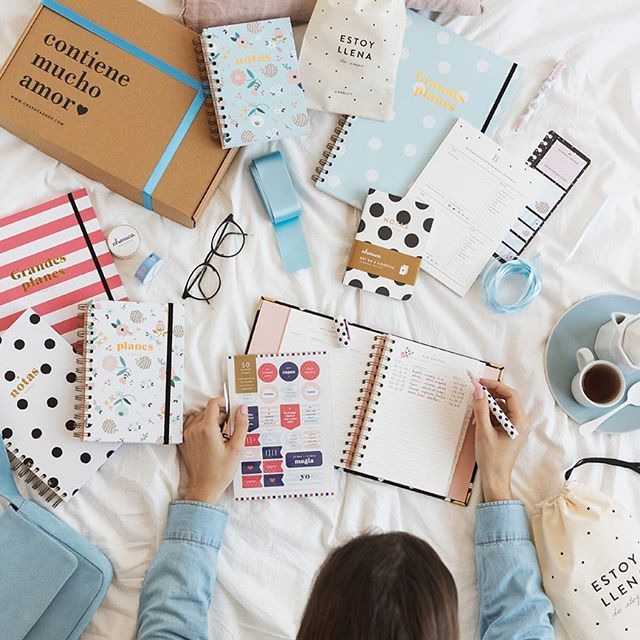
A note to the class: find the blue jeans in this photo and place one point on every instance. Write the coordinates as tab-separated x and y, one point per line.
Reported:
177	591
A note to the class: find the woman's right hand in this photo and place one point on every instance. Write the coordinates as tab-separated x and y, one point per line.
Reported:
212	460
496	452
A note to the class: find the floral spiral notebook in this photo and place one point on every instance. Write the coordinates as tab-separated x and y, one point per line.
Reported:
252	69
130	379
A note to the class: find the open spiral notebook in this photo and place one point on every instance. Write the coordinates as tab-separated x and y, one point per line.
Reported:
401	409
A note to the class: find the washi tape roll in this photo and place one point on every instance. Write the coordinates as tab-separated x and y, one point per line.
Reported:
123	241
148	268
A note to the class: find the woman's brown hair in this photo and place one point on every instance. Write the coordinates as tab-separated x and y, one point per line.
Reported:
390	586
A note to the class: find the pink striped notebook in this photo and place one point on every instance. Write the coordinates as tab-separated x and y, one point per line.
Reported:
52	257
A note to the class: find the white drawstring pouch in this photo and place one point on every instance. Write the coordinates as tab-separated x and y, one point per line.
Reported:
588	547
350	54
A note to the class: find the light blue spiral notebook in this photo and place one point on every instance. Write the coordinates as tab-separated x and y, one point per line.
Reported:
252	69
441	77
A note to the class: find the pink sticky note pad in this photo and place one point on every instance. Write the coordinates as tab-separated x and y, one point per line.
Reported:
561	164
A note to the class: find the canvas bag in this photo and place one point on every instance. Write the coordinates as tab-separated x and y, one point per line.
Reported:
588	547
350	54
52	579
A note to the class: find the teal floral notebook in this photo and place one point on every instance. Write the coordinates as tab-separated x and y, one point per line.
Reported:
253	73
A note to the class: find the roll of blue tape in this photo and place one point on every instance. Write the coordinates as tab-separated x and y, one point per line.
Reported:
148	268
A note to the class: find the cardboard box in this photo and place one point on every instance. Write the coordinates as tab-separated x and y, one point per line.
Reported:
106	112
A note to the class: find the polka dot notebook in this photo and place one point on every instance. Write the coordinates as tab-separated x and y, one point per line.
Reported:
441	77
37	397
388	249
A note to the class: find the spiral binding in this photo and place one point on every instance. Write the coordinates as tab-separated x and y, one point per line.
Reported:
214	119
538	151
370	391
84	378
24	469
329	154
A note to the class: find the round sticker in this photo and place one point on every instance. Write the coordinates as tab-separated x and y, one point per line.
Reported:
288	371
309	370
311	391
267	372
269	394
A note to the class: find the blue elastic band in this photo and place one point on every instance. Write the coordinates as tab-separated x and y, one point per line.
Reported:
495	277
157	63
123	44
172	147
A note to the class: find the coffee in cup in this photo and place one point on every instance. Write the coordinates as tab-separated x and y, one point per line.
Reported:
598	383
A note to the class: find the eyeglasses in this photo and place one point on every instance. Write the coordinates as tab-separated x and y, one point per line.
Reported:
227	242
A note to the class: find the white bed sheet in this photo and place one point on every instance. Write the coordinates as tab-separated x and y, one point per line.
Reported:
272	550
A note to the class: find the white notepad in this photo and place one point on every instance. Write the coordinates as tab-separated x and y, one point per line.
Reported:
478	191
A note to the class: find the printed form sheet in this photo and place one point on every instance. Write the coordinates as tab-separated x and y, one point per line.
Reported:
478	189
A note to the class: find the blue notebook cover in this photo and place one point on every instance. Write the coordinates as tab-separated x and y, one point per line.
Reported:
441	77
255	81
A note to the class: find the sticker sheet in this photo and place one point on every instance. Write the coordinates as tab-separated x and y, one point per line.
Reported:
288	448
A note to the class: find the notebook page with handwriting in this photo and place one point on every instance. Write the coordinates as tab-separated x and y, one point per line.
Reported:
421	418
305	331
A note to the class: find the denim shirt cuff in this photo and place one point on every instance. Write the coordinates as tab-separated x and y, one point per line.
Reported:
504	521
196	522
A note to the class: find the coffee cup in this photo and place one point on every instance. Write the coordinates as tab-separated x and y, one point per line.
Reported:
599	383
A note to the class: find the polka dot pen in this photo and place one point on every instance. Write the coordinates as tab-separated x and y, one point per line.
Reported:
342	331
494	407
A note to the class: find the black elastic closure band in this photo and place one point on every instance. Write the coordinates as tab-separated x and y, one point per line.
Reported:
614	462
499	97
92	251
167	387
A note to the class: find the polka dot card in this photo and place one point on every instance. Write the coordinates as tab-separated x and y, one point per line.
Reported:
37	397
389	245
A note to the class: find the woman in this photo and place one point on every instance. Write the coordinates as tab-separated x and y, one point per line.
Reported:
401	588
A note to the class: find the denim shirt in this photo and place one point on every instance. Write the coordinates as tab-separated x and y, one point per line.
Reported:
177	590
176	594
513	605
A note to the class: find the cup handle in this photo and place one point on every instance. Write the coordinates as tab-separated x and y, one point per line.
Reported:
584	357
